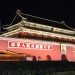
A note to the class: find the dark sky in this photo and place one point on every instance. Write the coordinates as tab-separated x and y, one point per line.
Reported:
53	10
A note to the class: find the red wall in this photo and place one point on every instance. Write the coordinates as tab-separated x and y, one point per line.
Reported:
55	52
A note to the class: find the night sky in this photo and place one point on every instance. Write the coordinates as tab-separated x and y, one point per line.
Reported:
53	10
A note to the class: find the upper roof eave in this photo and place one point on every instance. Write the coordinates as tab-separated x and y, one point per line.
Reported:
41	21
44	21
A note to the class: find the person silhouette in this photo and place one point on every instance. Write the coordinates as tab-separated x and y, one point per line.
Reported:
39	58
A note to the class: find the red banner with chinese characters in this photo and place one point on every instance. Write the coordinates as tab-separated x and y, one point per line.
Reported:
28	45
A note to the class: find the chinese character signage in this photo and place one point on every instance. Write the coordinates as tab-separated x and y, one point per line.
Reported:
29	45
